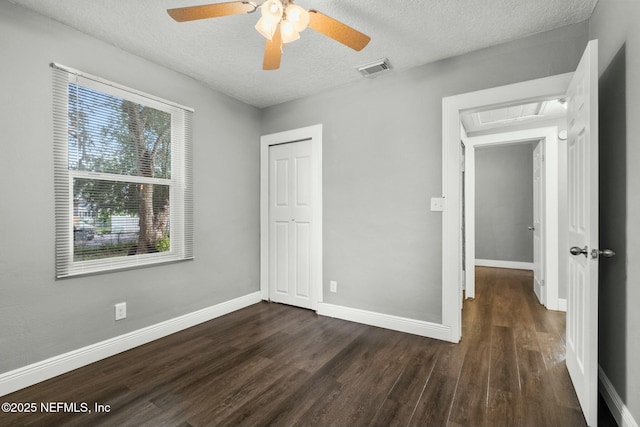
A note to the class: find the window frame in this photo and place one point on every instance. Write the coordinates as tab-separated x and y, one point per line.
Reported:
180	183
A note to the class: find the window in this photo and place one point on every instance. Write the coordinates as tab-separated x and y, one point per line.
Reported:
123	180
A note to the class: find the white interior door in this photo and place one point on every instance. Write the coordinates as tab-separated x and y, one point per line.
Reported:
538	209
291	224
582	298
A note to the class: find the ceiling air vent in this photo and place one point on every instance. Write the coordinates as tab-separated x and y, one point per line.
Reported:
375	68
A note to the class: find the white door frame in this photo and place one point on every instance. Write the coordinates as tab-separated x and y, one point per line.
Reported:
550	218
549	88
313	134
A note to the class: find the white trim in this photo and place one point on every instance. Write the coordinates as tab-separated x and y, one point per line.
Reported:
516	265
469	208
562	304
40	371
550	214
618	409
548	87
451	220
387	321
314	134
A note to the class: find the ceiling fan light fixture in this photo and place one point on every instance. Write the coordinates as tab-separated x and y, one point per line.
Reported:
298	17
272	10
266	27
288	31
280	22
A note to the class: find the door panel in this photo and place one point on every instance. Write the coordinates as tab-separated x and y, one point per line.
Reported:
582	301
282	182
303	266
303	180
281	257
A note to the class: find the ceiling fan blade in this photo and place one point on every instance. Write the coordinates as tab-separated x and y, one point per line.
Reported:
337	30
273	51
192	13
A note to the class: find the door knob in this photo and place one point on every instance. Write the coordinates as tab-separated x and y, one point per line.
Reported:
575	250
605	253
531	228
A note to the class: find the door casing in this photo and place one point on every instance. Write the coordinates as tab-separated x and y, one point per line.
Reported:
314	135
544	88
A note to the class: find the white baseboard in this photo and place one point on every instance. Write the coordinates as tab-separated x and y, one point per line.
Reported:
562	304
396	323
516	265
32	374
618	409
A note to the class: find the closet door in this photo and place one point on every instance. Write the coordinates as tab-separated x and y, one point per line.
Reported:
290	223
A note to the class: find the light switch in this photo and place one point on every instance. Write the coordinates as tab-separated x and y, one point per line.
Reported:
437	204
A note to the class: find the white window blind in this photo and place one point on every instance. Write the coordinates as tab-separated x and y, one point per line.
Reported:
123	176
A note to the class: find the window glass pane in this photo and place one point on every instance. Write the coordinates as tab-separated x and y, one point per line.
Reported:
109	134
115	219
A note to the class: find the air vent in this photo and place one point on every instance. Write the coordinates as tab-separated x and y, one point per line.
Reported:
375	68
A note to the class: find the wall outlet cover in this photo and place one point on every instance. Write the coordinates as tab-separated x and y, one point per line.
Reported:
121	310
437	204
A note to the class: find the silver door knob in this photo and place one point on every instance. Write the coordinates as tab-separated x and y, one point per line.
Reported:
531	228
575	250
605	253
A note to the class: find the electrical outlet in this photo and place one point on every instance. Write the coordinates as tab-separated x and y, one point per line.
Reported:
121	310
333	286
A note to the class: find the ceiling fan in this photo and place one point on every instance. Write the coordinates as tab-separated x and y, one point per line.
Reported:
281	22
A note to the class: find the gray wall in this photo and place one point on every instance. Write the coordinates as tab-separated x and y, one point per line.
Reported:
383	162
504	202
616	23
41	317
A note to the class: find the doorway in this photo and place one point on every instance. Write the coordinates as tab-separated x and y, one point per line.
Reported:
549	217
291	217
553	87
580	89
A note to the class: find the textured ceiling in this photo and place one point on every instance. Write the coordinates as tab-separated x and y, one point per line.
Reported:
226	53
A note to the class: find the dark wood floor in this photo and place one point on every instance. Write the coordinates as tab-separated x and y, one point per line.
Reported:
272	364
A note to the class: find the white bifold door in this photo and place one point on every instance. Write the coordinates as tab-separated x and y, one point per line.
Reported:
291	223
